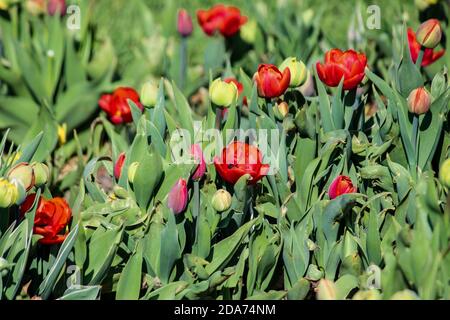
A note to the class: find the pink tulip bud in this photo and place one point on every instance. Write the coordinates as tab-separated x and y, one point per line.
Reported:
419	101
178	197
341	185
184	23
118	166
56	7
197	153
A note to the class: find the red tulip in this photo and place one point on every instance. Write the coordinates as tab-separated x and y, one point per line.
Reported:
118	165
239	159
116	104
178	197
429	55
226	20
347	64
271	83
184	23
56	7
240	88
52	218
197	153
341	185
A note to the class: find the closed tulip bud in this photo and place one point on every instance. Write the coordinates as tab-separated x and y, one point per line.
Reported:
118	165
429	33
248	31
178	197
281	110
326	290
9	193
222	93
24	174
56	7
199	159
405	295
221	200
149	94
341	185
298	71
41	173
119	192
444	173
419	101
367	295
132	171
184	23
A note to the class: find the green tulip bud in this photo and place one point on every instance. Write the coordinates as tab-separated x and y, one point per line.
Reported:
120	192
222	93
298	70
314	273
281	110
9	193
41	173
326	290
132	171
405	295
444	173
149	94
23	173
367	295
429	33
221	200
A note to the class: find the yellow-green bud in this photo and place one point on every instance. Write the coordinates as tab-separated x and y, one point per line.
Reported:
367	295
222	93
248	31
132	171
221	200
149	94
9	193
23	173
326	290
444	173
298	70
41	173
281	110
429	33
405	295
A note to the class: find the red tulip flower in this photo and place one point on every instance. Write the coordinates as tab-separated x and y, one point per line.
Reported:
116	104
56	7
220	18
341	185
271	83
118	165
429	55
178	197
339	64
238	159
51	219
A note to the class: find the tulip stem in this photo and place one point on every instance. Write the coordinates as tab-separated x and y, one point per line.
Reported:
269	108
415	135
196	199
183	62
219	112
420	57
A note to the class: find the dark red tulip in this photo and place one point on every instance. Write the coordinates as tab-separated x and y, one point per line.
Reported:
271	83
339	64
51	219
220	18
118	165
429	55
238	159
116	104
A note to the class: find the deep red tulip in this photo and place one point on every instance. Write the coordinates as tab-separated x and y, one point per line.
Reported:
178	197
118	165
197	153
220	18
341	185
429	55
238	159
51	220
348	64
184	23
116	105
271	83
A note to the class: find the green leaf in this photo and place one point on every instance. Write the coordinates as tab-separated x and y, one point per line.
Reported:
129	285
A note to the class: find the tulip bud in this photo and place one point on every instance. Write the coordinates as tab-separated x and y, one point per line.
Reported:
118	166
132	171
223	94
444	173
119	192
149	94
248	31
9	193
184	23
429	33
341	185
314	273
298	70
41	173
24	174
4	267
405	295
419	101
178	197
221	200
62	133
326	290
281	110
367	295
200	170
56	7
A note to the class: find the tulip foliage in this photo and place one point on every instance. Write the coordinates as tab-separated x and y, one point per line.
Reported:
277	172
